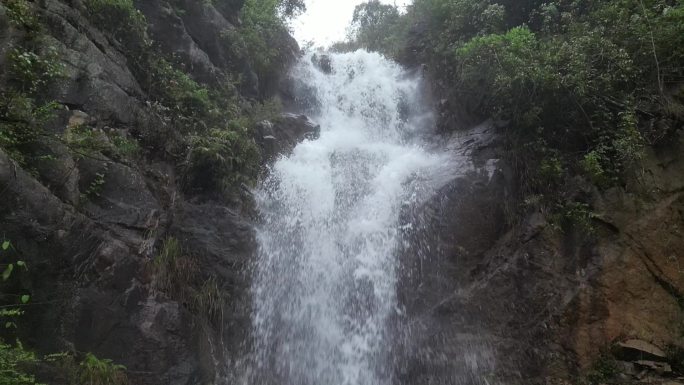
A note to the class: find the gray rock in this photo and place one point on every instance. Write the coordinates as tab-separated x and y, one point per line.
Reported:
632	350
659	367
323	63
283	134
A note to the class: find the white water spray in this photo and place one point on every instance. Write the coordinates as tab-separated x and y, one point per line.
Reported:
324	285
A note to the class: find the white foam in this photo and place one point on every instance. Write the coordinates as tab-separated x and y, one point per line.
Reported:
324	282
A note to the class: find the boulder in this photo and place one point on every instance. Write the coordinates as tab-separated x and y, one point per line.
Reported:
659	367
634	349
280	136
322	62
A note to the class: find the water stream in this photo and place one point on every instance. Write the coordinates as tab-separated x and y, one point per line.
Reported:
325	309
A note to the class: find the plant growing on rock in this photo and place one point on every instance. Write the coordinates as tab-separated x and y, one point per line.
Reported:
173	271
14	359
122	19
208	301
32	64
21	14
13	363
221	159
31	70
98	371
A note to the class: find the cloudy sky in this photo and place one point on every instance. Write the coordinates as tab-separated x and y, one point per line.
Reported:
326	21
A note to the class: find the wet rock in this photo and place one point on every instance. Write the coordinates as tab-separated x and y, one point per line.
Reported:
282	134
322	62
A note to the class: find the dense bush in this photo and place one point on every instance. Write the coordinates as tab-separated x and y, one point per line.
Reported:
582	85
371	23
14	364
264	28
221	158
122	19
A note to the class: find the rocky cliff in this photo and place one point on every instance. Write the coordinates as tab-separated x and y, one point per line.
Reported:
533	300
128	257
136	251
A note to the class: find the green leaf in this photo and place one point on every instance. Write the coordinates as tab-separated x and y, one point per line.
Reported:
5	245
25	298
8	325
8	271
22	264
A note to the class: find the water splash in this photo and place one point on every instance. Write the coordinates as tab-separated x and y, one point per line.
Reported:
324	285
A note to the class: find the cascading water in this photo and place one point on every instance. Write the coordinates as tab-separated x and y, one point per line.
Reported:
324	285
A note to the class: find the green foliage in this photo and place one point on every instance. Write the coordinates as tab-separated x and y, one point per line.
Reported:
126	146
95	186
174	271
14	359
10	264
263	32
376	27
261	27
32	65
604	369
21	125
21	14
583	86
14	364
97	371
89	370
221	158
31	70
574	216
208	301
85	142
122	19
178	276
190	104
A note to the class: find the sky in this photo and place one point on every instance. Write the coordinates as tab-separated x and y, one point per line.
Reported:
326	21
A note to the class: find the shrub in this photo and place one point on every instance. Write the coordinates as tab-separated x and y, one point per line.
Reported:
21	14
14	364
189	102
125	145
221	159
178	276
122	19
376	27
602	370
21	125
174	272
96	371
33	71
23	112
263	30
574	216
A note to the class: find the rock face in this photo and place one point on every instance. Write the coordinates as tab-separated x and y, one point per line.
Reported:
91	225
526	303
281	135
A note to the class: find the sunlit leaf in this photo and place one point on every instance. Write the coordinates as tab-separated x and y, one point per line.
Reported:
8	271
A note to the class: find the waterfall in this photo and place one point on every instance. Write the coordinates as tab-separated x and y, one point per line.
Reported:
325	309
